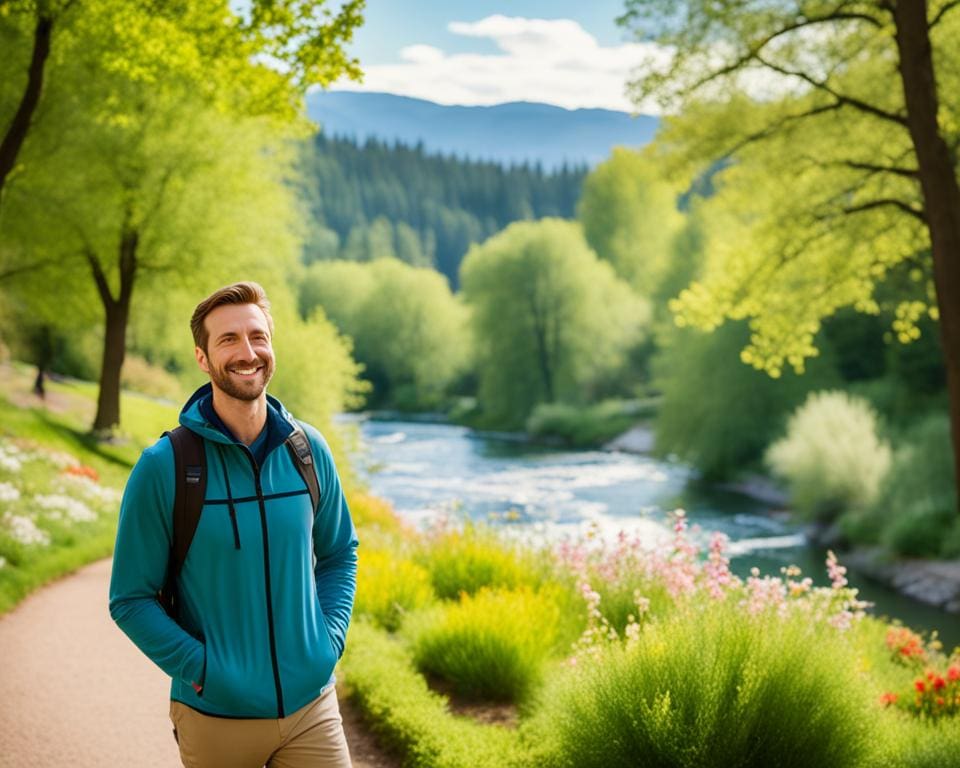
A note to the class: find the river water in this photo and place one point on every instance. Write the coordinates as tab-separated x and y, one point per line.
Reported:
542	494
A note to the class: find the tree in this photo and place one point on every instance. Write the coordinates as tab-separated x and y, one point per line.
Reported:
853	115
173	154
408	329
629	218
550	319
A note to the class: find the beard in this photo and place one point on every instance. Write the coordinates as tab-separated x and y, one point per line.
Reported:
243	388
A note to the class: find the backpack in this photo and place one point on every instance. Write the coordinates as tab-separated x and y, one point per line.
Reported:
190	466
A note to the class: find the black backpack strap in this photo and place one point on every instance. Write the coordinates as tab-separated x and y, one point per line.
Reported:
299	446
190	473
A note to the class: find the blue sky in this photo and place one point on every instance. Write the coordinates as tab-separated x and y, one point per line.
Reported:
391	25
567	53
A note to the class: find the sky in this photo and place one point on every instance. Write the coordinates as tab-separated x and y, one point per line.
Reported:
565	52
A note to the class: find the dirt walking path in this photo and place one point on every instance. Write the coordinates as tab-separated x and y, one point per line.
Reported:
76	693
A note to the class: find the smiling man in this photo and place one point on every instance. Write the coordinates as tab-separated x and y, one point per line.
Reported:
247	608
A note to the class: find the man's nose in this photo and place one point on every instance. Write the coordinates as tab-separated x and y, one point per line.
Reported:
247	349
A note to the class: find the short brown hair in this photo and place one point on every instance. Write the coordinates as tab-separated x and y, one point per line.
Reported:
238	293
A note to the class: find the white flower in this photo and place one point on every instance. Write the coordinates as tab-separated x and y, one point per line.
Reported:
9	492
75	509
90	488
25	531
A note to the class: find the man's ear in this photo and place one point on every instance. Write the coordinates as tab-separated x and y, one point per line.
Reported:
202	359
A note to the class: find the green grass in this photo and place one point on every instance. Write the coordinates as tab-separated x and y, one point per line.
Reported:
711	688
62	426
490	646
468	559
410	718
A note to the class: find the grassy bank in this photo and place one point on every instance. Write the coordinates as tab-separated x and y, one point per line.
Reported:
59	488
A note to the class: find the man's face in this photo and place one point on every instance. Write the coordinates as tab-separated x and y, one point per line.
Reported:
239	357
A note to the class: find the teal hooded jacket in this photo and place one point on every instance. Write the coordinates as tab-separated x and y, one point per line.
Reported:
266	590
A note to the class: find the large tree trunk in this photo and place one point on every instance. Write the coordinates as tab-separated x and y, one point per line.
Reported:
17	130
117	312
941	193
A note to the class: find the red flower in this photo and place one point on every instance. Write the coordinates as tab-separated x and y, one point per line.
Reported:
953	673
888	698
920	686
939	683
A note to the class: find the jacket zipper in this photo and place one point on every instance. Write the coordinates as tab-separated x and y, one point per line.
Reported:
266	574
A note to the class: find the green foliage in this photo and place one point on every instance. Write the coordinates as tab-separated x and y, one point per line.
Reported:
176	166
814	221
438	205
831	456
408	330
915	511
389	586
140	376
406	715
711	687
551	322
592	425
717	413
630	218
491	645
468	559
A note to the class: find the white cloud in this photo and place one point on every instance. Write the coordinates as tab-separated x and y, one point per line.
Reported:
555	61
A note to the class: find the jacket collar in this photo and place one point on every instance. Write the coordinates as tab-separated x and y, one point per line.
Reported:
279	421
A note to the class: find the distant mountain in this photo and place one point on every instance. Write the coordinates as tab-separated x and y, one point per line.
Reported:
508	133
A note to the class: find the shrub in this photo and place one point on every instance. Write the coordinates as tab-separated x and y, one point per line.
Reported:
713	687
591	425
724	427
389	587
915	510
831	457
489	646
407	716
467	559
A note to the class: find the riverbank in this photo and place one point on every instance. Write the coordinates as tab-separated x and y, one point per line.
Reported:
932	582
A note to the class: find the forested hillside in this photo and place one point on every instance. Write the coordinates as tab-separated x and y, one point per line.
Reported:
376	199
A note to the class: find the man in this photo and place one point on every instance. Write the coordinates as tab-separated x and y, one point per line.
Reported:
266	590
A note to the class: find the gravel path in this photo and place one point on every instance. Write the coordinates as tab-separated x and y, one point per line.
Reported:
75	692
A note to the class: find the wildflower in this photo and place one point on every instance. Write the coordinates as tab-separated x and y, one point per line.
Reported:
888	698
939	683
75	509
953	673
940	701
920	686
25	531
82	470
9	492
836	571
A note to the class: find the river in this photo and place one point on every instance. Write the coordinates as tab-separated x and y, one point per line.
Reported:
541	494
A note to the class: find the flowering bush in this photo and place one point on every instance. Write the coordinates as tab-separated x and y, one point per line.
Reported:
660	579
935	691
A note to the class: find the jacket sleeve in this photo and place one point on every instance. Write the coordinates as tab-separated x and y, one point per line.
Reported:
335	546
140	565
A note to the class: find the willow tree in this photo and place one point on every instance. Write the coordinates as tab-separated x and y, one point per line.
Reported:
837	122
550	319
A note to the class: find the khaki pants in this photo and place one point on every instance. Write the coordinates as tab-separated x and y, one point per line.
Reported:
312	737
